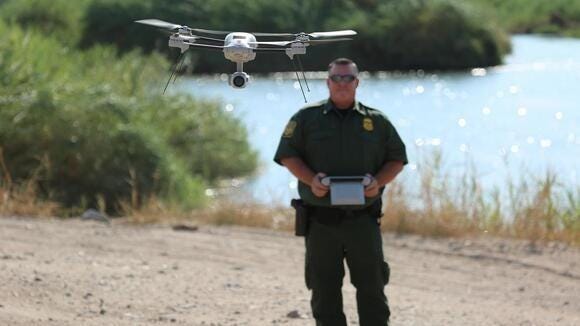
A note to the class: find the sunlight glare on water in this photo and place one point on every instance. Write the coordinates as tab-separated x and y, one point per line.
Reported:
524	113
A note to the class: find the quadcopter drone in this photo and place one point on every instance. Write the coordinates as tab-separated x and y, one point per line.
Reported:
241	47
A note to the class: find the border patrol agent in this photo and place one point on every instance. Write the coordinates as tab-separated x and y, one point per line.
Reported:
343	137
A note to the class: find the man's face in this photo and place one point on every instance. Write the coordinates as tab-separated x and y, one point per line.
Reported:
342	91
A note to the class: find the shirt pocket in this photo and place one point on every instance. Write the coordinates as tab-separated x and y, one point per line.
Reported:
371	151
319	150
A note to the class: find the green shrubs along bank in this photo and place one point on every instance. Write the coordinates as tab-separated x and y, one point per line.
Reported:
86	128
393	34
561	17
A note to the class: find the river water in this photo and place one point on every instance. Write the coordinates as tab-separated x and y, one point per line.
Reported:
514	121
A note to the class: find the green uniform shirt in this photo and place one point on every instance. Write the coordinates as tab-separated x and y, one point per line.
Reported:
356	143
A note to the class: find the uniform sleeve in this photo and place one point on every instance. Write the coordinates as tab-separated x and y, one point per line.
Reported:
291	143
395	150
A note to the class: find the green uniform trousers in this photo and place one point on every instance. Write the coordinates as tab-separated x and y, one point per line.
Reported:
358	240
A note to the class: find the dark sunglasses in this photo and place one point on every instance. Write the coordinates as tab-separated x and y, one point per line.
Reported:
342	78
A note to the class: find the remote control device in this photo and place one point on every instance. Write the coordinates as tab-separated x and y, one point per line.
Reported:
346	190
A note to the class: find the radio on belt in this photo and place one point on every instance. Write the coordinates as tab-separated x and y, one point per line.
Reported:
347	190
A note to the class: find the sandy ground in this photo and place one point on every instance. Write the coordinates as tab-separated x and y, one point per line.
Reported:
87	273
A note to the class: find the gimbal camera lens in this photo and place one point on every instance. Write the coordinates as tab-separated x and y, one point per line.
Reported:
239	79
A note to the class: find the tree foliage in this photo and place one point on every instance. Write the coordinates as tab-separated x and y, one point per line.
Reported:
393	34
85	126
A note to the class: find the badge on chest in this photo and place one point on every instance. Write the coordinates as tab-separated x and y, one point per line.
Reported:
368	124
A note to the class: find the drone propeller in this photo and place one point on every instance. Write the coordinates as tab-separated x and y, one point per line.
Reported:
173	27
313	35
312	42
170	26
332	33
160	24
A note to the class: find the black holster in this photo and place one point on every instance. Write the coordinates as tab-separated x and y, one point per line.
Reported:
301	219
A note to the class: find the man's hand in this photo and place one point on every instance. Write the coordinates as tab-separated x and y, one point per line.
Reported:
318	189
372	189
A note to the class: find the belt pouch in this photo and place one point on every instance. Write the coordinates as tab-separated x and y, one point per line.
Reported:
301	219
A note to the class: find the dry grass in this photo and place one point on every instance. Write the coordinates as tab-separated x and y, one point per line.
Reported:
227	212
23	201
220	212
540	209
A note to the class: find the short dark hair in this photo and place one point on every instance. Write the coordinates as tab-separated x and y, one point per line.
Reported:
342	62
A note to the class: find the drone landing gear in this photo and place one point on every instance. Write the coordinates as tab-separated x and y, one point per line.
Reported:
175	69
298	77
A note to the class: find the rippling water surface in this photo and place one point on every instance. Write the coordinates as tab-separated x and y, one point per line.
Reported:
514	120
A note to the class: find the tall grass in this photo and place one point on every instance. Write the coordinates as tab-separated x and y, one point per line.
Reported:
538	208
535	208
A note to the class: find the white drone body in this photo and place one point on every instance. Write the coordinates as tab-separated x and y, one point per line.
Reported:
240	47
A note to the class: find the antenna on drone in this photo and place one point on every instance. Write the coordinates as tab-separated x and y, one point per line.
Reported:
179	67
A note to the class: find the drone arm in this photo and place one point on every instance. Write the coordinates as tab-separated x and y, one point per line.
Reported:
269	49
205	38
205	46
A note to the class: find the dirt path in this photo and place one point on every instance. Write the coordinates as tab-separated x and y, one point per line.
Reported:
86	273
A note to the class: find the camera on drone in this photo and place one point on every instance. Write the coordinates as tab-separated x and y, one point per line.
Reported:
239	79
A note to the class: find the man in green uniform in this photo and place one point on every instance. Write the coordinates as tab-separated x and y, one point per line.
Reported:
342	137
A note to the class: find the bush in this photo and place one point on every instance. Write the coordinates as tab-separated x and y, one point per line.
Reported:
57	18
87	128
536	16
212	143
425	35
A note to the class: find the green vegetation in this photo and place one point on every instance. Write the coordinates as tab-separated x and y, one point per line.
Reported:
560	17
426	35
60	19
86	130
393	34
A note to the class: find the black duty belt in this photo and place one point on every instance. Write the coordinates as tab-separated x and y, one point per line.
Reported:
336	215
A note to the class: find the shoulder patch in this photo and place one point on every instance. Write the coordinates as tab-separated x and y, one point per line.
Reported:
289	130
